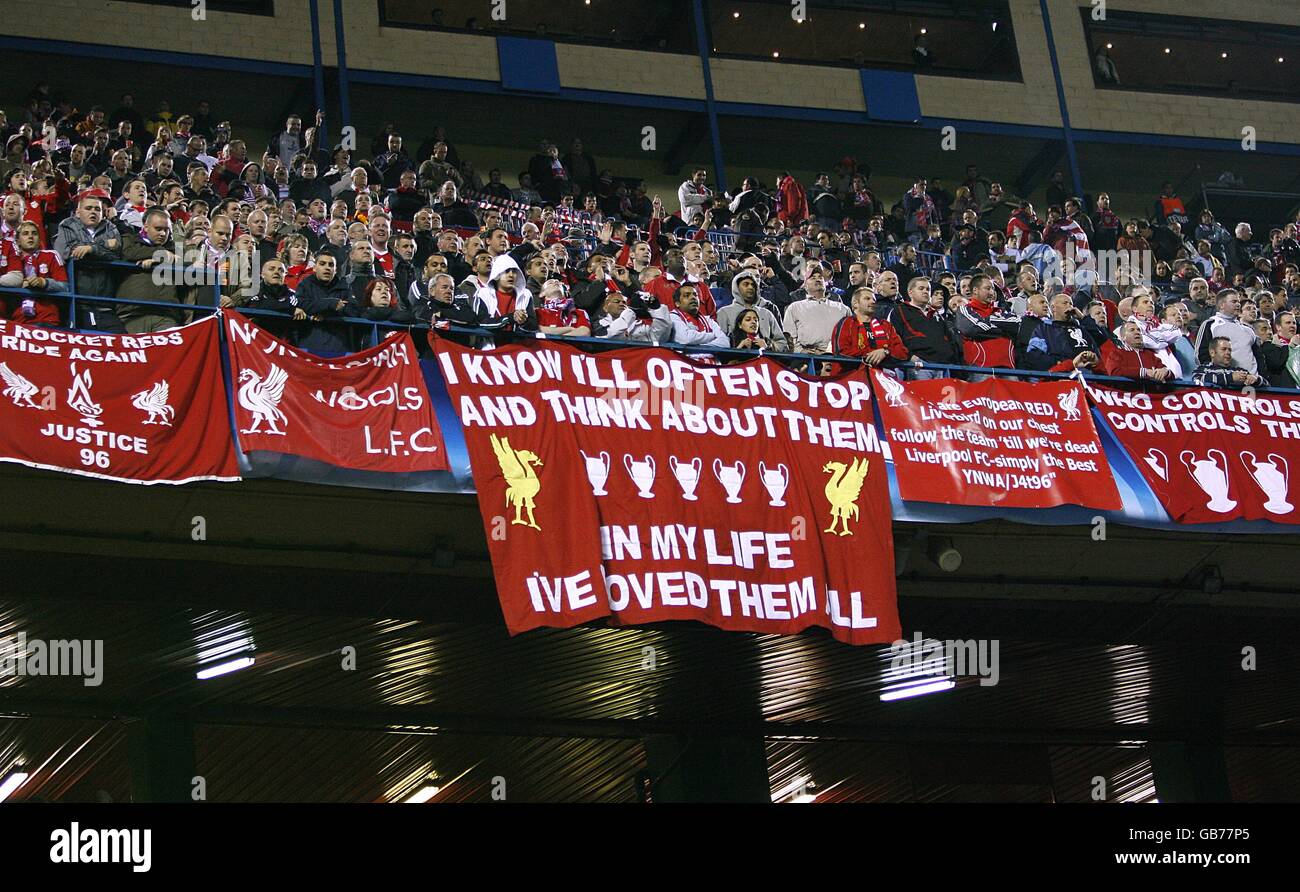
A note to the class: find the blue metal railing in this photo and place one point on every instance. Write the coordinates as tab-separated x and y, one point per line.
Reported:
810	361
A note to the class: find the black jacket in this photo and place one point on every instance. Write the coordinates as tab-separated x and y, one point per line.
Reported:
927	337
317	298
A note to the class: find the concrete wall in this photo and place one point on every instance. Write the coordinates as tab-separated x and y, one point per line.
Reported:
473	56
1137	112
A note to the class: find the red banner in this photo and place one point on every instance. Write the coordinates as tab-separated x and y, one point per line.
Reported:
145	408
638	486
369	411
1001	443
1210	455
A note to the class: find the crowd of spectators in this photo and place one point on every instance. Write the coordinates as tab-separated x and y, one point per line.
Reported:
304	235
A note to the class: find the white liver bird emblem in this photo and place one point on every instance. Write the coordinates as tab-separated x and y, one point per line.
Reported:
893	390
1069	403
18	388
262	398
154	401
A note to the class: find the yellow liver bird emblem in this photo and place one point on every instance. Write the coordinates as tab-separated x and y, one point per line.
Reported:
522	485
842	491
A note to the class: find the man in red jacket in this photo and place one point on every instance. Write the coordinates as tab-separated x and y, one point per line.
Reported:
1129	359
792	201
861	334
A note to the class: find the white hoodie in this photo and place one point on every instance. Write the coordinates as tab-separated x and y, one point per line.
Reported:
487	294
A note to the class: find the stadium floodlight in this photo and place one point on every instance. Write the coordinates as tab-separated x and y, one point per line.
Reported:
224	668
12	781
422	795
916	690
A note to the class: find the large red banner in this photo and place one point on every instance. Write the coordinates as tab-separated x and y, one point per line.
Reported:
1210	455
1009	444
639	486
147	408
369	411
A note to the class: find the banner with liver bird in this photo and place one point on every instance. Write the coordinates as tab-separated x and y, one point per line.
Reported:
1011	444
639	486
147	408
368	411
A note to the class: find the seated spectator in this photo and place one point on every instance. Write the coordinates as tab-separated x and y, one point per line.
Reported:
810	319
745	295
1129	358
863	335
1065	341
324	296
640	318
28	265
1226	323
692	328
987	334
147	249
925	335
557	314
405	200
1221	371
745	334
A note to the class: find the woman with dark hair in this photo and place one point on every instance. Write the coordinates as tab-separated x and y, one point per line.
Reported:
249	187
744	335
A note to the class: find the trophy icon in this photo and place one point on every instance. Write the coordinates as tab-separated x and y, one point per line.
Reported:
1158	462
730	478
1211	476
688	476
597	471
1268	478
642	474
775	480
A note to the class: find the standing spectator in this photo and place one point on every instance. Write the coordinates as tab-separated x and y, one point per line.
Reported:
810	319
581	166
40	270
1065	341
323	296
826	207
746	286
791	201
147	249
926	336
919	211
693	195
393	163
1225	323
988	335
1128	357
1169	207
288	143
1241	251
88	236
127	112
861	334
1106	230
